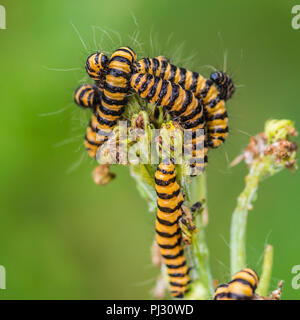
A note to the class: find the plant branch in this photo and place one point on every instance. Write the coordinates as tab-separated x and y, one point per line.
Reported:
264	283
203	288
239	218
267	154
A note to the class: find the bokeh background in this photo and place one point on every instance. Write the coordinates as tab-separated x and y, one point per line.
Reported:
63	237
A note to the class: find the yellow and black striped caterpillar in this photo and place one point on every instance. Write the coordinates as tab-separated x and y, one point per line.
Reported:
107	103
241	287
94	137
168	233
96	65
224	84
181	104
115	87
214	92
87	96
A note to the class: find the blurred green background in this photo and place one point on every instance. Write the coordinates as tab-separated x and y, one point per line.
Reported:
63	237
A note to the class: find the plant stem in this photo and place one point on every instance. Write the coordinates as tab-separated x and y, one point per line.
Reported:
201	256
264	283
239	217
197	191
240	214
267	154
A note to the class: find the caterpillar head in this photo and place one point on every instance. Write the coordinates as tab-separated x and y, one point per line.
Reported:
224	83
87	96
96	65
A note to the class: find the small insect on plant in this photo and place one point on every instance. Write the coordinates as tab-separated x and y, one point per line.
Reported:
173	117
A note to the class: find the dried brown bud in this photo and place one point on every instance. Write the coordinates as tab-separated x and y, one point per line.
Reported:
102	175
139	122
254	150
275	295
273	142
282	151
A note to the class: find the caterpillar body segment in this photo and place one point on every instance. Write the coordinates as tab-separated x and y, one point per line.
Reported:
96	65
196	146
216	123
116	84
160	67
108	97
102	123
214	92
113	97
100	126
221	292
241	287
95	136
224	83
215	113
243	284
189	80
103	120
87	96
162	58
168	232
181	104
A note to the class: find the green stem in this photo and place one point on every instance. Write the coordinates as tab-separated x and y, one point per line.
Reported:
201	258
264	283
200	255
240	214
